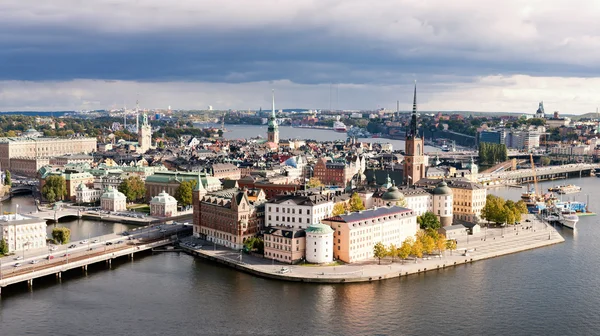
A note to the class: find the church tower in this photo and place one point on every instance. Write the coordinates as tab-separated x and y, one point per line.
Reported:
414	160
273	130
145	135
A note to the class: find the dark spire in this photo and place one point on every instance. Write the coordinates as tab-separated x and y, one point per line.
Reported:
413	131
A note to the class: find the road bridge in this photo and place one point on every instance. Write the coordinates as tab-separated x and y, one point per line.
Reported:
544	173
41	263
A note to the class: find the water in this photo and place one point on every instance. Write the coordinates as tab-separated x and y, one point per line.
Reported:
549	291
287	132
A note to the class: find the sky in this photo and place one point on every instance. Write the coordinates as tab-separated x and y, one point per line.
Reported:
466	55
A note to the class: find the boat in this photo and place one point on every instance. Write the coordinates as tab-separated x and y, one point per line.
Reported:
573	206
553	218
339	126
569	220
445	148
568	189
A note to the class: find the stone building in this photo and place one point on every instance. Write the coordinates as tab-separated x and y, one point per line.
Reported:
22	233
42	147
62	160
144	135
225	171
229	217
27	166
163	205
169	181
297	210
414	158
113	200
83	194
319	244
443	203
284	244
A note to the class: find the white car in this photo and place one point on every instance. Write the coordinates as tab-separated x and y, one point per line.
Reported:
83	242
19	258
284	270
53	248
95	241
35	261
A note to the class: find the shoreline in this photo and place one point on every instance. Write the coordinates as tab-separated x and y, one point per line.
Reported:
480	248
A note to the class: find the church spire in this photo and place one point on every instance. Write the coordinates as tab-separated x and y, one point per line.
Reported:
413	131
273	105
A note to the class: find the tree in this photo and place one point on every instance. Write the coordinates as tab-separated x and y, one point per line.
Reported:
429	220
184	192
427	242
405	248
441	243
417	249
61	235
379	251
161	144
355	203
133	188
7	180
339	209
314	182
3	247
451	244
392	251
545	161
55	188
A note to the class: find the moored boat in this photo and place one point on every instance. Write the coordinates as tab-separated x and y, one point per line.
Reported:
569	220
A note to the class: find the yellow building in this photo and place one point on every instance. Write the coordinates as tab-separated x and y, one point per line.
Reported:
469	200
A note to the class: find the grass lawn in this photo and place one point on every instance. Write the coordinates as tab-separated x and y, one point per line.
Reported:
335	263
139	208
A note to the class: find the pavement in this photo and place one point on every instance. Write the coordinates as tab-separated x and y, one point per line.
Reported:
489	243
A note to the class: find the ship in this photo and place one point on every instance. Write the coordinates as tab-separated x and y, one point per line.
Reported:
569	189
573	206
339	126
569	220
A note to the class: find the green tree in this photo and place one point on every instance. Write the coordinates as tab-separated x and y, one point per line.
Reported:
55	188
545	161
314	182
184	192
255	244
61	235
7	180
339	209
379	251
133	188
429	220
3	247
405	248
355	203
161	144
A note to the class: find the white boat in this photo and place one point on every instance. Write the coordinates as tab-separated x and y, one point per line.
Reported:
569	189
569	220
553	218
339	126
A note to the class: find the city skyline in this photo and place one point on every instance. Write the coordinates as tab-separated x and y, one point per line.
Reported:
338	54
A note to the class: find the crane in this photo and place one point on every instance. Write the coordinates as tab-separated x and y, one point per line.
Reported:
535	181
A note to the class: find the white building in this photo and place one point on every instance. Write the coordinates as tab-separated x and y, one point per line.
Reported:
298	210
83	194
113	200
163	205
443	203
319	243
22	233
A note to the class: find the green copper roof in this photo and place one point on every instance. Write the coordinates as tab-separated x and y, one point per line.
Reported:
319	228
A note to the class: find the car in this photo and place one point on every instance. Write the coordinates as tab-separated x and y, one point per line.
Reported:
19	258
53	248
108	243
119	242
91	249
528	221
34	262
50	257
72	246
162	231
95	241
284	270
17	264
125	233
66	255
83	241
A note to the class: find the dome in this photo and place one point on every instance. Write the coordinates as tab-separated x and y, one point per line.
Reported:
319	228
163	197
112	193
291	162
442	189
393	194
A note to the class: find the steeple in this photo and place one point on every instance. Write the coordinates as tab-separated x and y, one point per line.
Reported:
273	105
413	131
273	129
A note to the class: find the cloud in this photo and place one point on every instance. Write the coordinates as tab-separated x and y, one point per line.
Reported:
382	45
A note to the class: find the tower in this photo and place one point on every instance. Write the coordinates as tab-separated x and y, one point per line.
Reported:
145	135
414	160
197	195
137	116
273	130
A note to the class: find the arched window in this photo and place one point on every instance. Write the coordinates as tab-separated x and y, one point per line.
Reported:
419	149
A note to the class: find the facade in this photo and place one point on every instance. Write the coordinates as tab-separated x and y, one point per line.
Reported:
169	181
113	200
163	205
27	166
332	173
443	203
73	180
226	171
468	200
356	234
417	199
297	210
229	217
63	160
414	159
22	233
273	129
83	194
284	244
42	147
319	244
271	189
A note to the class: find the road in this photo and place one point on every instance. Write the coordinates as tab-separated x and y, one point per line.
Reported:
42	258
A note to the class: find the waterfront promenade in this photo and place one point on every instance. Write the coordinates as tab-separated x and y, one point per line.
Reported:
489	243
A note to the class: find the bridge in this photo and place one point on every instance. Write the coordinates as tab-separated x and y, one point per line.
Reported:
544	173
42	263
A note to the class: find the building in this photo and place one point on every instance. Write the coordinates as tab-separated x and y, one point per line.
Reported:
271	189
42	147
414	159
228	217
169	181
27	166
83	194
63	160
163	205
319	243
355	234
297	210
417	199
73	180
468	200
443	203
493	136
226	171
273	129
284	244
540	113
22	233
113	200
145	135
333	173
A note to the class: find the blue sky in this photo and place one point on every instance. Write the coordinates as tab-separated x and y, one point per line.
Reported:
465	54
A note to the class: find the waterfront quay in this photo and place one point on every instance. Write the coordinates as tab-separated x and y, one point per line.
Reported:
490	242
29	265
